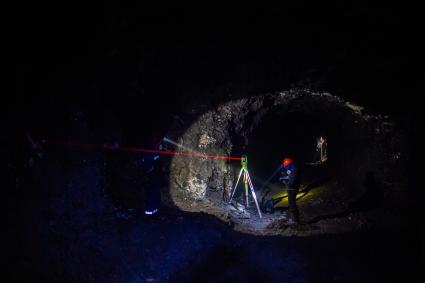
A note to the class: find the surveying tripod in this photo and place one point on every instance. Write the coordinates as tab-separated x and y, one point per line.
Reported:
247	183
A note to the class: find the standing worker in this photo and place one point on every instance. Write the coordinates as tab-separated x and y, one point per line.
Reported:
321	153
290	177
151	164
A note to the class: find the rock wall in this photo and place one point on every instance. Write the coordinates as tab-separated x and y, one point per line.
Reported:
200	184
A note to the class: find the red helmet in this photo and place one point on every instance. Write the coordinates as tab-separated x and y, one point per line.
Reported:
287	161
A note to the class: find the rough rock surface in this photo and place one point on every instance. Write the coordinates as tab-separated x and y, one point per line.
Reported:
200	184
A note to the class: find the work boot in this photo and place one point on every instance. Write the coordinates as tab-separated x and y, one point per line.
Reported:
151	212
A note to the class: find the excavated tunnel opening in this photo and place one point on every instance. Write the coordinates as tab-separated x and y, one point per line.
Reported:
294	134
333	196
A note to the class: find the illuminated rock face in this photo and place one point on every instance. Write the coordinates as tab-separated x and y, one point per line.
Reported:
203	184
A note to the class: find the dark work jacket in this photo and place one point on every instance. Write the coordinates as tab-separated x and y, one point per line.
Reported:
292	173
150	164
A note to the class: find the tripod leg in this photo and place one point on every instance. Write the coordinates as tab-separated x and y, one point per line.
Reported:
234	190
245	182
254	196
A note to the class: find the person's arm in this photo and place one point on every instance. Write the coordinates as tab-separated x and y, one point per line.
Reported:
284	178
292	174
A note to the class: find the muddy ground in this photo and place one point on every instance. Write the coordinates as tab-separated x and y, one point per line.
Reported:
194	247
73	234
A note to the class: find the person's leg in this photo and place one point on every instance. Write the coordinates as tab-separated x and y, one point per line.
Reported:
156	195
149	197
292	201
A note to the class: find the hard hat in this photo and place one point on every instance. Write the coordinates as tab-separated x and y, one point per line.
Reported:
287	161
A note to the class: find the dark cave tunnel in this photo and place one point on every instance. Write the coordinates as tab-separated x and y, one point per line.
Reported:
293	134
285	133
281	131
118	73
289	130
274	126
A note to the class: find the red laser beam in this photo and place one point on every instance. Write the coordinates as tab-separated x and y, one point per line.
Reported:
141	150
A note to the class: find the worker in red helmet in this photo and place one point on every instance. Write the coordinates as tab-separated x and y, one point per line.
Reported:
290	177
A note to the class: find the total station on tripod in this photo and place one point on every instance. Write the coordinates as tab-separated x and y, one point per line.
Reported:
247	184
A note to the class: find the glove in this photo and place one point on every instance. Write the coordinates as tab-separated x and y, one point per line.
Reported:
284	179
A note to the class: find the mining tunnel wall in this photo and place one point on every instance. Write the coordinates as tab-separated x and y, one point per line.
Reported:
272	126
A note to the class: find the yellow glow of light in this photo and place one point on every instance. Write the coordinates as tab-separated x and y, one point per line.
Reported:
302	195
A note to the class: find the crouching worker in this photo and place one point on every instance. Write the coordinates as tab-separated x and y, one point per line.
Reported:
290	177
151	164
